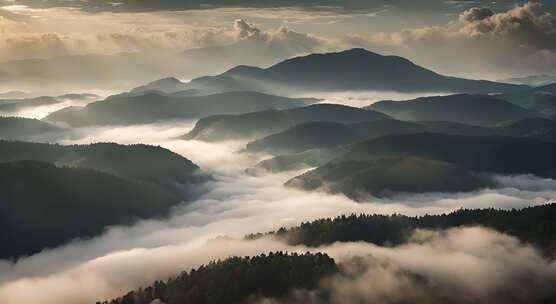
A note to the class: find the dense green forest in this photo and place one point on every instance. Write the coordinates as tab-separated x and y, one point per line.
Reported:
535	225
389	176
152	164
237	278
45	206
428	162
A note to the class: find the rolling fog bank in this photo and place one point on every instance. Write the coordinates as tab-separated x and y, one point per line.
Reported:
237	204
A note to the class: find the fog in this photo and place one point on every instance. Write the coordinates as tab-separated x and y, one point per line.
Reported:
41	111
460	265
366	98
235	204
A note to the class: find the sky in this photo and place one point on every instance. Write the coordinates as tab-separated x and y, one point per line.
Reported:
475	39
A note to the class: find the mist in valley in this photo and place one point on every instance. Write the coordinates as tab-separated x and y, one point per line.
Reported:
143	145
237	204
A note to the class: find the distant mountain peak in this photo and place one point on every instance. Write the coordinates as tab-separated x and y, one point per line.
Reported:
242	70
173	80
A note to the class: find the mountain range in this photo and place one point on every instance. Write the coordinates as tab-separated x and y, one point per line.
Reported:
17	128
53	193
479	110
152	106
350	70
428	162
262	123
540	99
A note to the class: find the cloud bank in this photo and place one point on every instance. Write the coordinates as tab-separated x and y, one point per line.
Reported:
237	204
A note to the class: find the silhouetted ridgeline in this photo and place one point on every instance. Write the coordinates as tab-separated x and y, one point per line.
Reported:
428	162
541	99
44	206
108	184
236	279
17	127
355	69
141	162
153	106
535	225
262	123
483	110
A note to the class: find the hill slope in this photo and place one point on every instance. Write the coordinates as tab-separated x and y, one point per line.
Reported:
20	128
263	123
535	225
355	69
138	162
428	162
153	106
541	99
462	108
45	206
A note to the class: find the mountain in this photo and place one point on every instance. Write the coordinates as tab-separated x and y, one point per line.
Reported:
355	69
136	162
13	106
496	154
304	137
167	85
9	106
21	128
538	128
533	80
327	135
428	162
541	99
44	206
387	176
155	106
238	279
479	110
314	144
296	161
263	123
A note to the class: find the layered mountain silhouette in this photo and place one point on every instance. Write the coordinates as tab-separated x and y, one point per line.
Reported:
540	99
138	162
45	206
294	154
167	85
331	134
21	128
355	69
52	194
15	105
153	106
480	110
262	123
532	80
428	162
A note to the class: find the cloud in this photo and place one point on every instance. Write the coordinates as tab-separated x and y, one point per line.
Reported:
475	14
521	39
460	265
245	30
528	24
283	40
236	204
